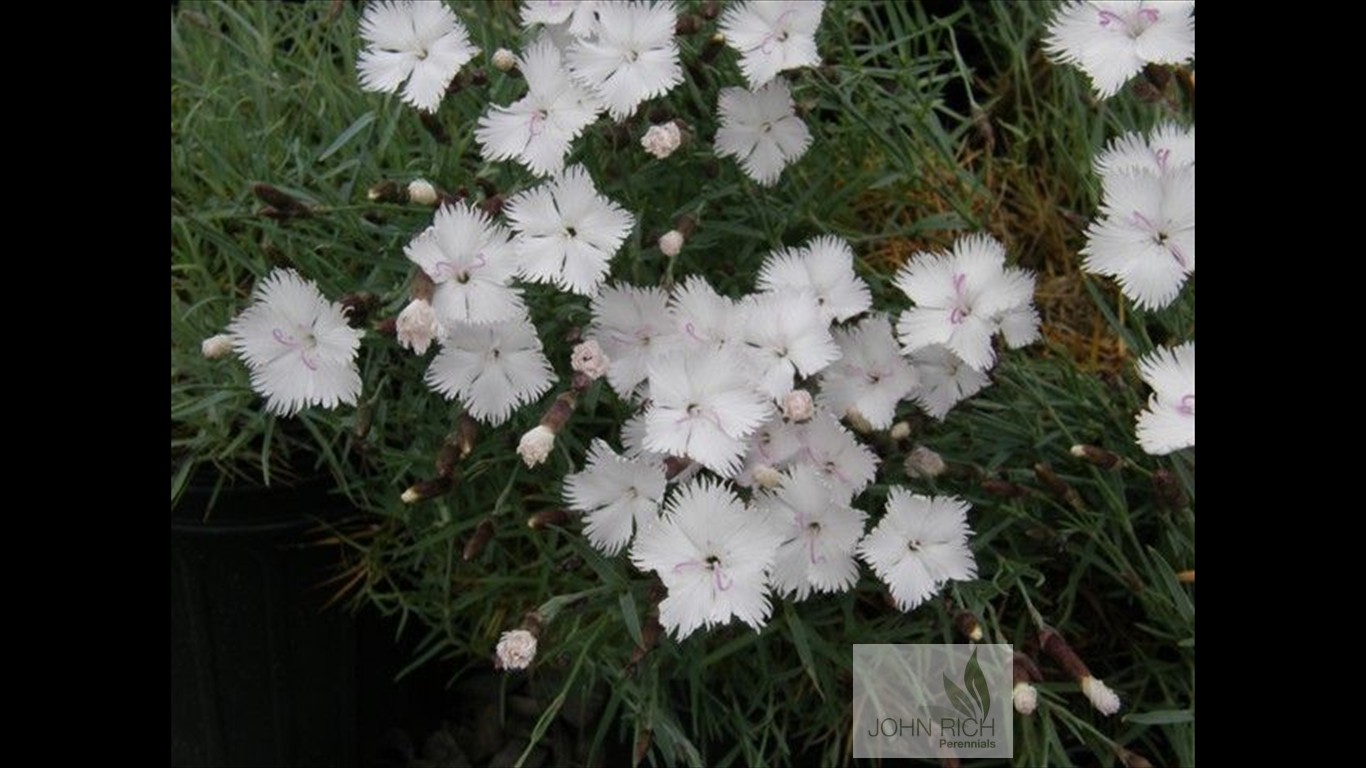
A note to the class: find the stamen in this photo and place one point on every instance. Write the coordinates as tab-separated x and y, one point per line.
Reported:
815	559
284	338
1148	14
691	330
537	118
1187	405
1162	156
720	579
1178	254
1107	17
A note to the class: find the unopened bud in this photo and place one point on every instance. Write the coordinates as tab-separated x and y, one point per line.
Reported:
433	124
767	476
671	242
1102	698
1025	698
1169	491
798	406
516	650
1003	488
427	489
900	430
858	421
968	624
535	445
216	347
482	535
387	192
1057	486
547	517
662	140
422	192
589	359
922	463
284	203
417	326
1098	456
357	307
504	60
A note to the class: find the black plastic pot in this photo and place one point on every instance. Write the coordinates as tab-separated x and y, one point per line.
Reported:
261	674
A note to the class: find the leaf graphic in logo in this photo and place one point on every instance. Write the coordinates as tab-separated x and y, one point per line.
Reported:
975	680
957	698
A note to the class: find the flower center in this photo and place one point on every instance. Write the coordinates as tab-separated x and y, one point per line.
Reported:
450	270
778	35
1161	238
1187	406
914	545
536	125
305	343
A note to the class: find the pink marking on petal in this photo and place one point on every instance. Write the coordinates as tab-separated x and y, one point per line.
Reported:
537	124
1179	255
284	338
815	559
1187	405
686	564
767	46
1107	17
691	330
1162	157
720	579
1148	14
957	316
958	281
1143	221
310	361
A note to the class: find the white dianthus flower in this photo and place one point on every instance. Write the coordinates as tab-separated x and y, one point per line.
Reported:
633	56
472	263
422	43
618	495
298	345
772	36
1145	238
819	531
567	233
493	368
761	130
538	129
703	407
1112	40
1168	423
824	266
713	554
920	543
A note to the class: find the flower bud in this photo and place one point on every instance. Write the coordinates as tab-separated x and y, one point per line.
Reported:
922	463
798	406
767	476
516	650
417	326
589	359
900	430
422	192
216	347
504	60
671	242
662	140
535	445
